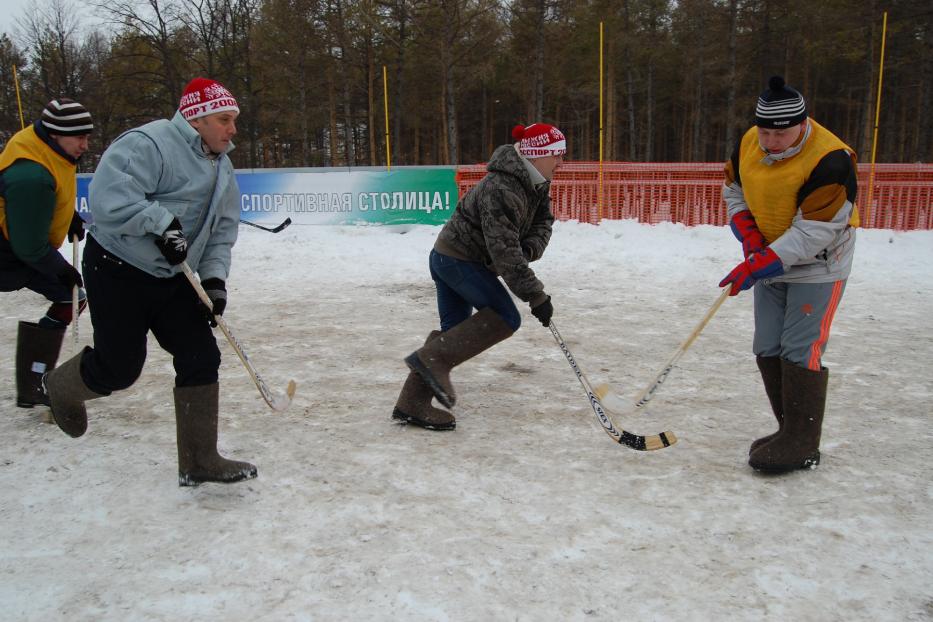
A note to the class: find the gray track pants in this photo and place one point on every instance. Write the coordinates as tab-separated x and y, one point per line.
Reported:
792	320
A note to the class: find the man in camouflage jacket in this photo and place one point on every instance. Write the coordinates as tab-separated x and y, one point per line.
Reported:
498	228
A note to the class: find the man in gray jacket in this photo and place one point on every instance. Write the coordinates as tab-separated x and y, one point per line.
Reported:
162	194
499	226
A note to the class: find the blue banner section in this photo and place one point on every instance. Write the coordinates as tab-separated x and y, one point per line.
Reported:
406	195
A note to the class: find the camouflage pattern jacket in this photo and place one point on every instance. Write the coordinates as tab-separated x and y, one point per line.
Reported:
504	222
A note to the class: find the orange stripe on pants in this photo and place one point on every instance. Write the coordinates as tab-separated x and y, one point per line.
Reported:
816	350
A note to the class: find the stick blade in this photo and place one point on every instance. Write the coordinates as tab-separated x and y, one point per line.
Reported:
602	390
280	403
284	224
660	441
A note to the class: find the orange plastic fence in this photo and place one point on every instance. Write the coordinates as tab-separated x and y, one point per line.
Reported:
691	193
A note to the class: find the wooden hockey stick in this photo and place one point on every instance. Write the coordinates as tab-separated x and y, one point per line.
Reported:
645	396
635	441
275	402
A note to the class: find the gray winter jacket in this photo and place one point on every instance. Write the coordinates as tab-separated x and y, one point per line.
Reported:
504	222
152	174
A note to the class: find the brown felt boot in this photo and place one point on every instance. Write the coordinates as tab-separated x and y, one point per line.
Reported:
770	368
36	354
196	425
67	394
433	362
797	445
414	403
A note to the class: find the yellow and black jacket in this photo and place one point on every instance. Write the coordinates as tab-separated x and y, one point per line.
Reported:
803	201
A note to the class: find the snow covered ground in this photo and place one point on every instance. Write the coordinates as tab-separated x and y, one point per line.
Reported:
527	511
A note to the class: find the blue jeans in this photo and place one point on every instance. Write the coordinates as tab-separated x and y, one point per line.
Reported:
465	285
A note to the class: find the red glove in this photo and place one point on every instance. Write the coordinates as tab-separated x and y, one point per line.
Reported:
761	265
746	230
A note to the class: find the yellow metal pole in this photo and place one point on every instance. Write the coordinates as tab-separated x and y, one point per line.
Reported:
599	190
874	140
385	97
22	122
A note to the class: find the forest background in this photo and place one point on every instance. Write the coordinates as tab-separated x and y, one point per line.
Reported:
680	77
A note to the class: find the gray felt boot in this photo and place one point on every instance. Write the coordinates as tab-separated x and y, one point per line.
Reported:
433	362
797	445
36	354
196	425
414	403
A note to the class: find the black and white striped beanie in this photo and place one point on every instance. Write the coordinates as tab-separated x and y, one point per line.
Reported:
780	106
66	117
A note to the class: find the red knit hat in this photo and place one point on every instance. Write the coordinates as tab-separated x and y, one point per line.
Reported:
204	96
539	140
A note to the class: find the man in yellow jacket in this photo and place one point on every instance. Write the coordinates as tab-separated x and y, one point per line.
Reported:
37	214
790	191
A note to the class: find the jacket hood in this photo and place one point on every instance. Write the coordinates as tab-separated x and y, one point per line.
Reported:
506	159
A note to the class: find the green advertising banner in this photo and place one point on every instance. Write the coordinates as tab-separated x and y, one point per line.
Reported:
406	195
402	196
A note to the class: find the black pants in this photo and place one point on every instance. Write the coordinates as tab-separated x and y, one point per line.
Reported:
126	303
15	275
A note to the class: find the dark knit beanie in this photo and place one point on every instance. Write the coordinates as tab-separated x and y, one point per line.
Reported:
780	106
66	117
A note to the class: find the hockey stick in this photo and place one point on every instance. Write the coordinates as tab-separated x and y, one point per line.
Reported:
274	229
645	396
635	441
74	293
275	402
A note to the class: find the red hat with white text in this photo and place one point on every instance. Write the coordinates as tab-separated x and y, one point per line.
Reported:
204	96
539	140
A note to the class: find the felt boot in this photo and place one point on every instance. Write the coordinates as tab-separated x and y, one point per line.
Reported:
433	362
414	403
196	425
67	394
770	368
37	352
797	445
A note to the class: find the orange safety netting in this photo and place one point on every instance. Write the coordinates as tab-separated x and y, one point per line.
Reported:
901	194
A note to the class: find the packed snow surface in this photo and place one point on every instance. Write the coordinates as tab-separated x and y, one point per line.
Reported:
528	510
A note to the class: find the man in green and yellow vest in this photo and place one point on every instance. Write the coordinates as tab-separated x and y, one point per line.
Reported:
790	191
37	214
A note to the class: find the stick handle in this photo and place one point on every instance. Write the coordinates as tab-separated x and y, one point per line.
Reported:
74	293
276	402
645	396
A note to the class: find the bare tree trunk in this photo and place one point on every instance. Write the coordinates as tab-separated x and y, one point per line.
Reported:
303	109
863	148
450	108
350	146
730	79
610	127
630	85
371	77
400	11
538	81
649	112
332	107
450	116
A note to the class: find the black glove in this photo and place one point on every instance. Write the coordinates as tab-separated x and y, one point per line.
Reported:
69	276
76	228
216	290
543	312
53	265
172	244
